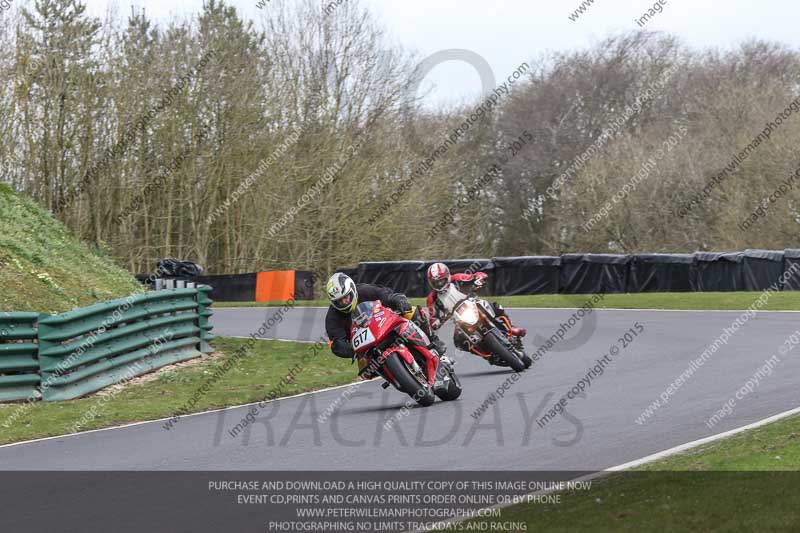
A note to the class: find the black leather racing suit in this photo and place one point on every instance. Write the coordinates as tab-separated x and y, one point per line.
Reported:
337	323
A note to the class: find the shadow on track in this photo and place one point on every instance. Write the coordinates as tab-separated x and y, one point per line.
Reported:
499	372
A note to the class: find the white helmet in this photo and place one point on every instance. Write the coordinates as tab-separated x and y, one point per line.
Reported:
342	292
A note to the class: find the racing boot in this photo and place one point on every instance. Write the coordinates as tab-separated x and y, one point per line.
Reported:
442	380
438	345
515	332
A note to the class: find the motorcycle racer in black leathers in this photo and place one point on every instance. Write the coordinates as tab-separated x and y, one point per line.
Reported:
344	295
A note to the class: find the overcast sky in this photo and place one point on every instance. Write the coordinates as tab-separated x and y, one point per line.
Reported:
508	32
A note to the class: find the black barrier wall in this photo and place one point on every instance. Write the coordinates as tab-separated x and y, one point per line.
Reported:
594	273
761	268
718	272
304	283
791	261
750	270
230	288
661	273
407	277
526	275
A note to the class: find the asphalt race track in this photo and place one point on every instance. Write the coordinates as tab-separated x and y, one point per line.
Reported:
597	431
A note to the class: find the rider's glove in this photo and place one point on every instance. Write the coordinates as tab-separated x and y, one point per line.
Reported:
404	307
436	323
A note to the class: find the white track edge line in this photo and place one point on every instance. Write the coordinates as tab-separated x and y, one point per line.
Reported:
625	466
142	422
699	442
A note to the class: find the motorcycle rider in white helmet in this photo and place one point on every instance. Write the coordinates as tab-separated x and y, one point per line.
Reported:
344	295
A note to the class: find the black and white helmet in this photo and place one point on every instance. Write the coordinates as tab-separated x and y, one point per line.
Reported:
342	292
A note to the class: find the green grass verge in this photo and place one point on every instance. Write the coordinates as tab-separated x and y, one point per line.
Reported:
44	268
772	447
701	301
252	380
745	483
667	502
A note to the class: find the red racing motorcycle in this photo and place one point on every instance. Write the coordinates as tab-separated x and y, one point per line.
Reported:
396	348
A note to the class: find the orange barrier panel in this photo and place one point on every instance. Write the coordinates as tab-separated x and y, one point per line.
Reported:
275	286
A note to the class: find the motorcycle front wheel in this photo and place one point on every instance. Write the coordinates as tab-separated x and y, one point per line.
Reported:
498	348
405	378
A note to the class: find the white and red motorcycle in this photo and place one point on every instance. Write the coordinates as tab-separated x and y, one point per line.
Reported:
478	326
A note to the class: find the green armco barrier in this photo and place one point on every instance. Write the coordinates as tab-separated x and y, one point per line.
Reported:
19	369
87	349
205	316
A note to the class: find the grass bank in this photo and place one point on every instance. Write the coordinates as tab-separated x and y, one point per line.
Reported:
44	268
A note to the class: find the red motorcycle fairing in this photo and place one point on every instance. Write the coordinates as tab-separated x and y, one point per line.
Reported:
431	359
404	354
382	322
412	333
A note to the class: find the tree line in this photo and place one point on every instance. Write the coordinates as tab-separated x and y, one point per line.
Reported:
299	140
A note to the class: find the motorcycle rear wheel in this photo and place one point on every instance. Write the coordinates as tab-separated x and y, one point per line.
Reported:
453	390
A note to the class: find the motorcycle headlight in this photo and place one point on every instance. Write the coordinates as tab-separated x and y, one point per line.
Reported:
467	314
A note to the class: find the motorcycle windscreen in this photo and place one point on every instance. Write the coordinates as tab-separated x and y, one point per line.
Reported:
362	315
